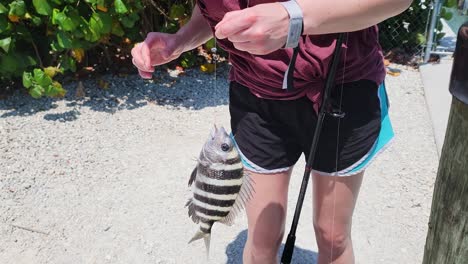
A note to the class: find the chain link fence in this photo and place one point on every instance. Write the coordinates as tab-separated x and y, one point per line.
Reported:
414	35
404	37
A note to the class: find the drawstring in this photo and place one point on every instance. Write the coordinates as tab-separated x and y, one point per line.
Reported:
288	81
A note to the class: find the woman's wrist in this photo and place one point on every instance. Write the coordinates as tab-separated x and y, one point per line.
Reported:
195	33
296	23
189	41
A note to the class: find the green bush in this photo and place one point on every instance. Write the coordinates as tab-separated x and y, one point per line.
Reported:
42	38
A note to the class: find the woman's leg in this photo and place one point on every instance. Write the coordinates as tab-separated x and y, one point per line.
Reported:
334	201
266	213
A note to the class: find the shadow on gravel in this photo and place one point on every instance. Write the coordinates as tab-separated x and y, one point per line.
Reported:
235	248
192	90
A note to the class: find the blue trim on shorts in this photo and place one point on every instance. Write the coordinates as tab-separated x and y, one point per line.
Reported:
386	132
246	164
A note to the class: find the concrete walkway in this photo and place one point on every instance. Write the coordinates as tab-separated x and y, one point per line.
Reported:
436	79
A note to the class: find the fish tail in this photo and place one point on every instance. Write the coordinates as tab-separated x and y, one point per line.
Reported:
207	240
206	237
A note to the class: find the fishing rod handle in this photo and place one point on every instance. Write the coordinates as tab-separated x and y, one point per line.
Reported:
288	249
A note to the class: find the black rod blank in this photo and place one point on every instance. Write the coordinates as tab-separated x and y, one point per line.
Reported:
329	85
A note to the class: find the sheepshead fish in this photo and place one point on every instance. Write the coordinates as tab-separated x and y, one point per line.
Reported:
220	187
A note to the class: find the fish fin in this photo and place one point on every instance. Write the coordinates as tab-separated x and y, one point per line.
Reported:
245	194
198	235
191	211
207	240
192	176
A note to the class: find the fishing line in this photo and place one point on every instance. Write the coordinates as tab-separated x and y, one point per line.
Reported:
215	57
337	151
213	60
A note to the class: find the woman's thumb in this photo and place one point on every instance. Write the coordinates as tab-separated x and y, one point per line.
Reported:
153	41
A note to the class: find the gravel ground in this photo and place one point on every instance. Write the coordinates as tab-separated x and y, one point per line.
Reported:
103	179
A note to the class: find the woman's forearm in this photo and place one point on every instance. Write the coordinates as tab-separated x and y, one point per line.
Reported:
196	32
332	16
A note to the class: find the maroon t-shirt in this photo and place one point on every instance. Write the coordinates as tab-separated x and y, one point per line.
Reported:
264	74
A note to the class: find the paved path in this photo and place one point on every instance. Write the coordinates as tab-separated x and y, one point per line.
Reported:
436	79
104	179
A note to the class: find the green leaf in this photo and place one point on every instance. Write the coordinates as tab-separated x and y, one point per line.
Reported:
3	9
117	29
421	39
41	78
447	15
5	44
54	46
36	21
68	63
129	21
67	20
210	44
17	8
72	64
52	71
4	25
94	31
42	7
55	90
27	79
126	22
101	23
188	60
64	40
29	61
8	63
451	3
36	92
120	7
177	11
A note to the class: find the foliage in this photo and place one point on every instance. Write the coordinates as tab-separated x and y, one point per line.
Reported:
42	38
408	30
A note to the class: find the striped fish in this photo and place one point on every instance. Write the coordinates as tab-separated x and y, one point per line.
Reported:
220	188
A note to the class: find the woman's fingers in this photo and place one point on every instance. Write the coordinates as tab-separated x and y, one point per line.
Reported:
258	30
137	58
145	75
232	23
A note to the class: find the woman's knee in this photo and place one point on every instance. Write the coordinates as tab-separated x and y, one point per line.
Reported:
330	239
263	247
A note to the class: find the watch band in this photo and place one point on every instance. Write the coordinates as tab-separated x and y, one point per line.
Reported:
295	23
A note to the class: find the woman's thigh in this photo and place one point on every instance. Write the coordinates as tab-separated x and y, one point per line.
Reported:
334	200
266	210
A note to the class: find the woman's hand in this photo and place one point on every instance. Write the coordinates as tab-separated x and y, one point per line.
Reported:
157	49
258	30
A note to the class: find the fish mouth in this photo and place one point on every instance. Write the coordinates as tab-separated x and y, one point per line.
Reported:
222	130
213	131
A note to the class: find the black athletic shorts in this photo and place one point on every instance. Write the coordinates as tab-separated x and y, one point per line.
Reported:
271	135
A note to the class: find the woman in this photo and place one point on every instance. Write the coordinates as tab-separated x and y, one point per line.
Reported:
274	126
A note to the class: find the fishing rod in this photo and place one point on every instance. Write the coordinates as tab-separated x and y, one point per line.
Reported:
325	109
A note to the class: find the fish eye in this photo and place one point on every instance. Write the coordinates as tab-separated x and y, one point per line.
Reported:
225	147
